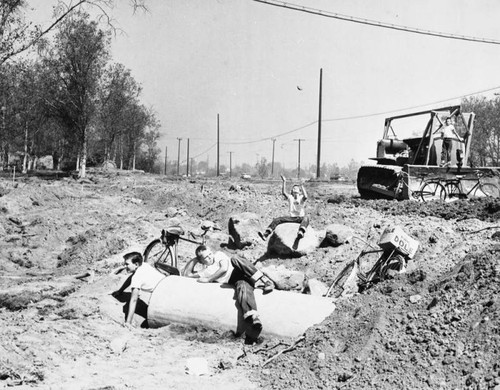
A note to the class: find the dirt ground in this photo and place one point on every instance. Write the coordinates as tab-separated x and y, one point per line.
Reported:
434	327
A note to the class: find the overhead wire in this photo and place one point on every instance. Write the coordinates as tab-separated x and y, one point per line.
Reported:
358	117
375	23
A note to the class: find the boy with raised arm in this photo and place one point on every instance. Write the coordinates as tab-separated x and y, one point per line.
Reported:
296	202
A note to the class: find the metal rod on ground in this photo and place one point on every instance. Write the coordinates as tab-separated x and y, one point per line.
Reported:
290	348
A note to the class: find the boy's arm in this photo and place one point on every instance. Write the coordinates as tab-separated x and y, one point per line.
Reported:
124	286
132	305
456	133
189	271
304	193
283	187
223	267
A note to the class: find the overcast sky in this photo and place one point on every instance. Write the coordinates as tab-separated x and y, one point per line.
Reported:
258	66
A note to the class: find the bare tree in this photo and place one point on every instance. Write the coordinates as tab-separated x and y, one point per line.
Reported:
18	35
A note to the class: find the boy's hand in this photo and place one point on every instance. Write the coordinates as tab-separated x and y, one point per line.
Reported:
203	280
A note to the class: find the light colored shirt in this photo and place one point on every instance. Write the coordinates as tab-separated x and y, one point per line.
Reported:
220	260
296	206
448	132
146	278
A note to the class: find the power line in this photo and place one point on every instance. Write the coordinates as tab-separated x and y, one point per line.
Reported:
409	108
360	116
343	119
205	151
375	23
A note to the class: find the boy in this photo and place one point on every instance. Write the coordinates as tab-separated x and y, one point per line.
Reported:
296	201
448	135
237	272
144	277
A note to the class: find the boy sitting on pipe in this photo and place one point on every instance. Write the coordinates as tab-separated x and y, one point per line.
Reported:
237	272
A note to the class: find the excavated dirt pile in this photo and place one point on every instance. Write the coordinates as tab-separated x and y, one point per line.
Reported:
435	327
410	332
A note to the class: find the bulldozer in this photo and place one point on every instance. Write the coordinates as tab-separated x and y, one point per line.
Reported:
410	156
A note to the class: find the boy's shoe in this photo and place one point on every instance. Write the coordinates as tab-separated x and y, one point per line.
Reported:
268	287
265	234
256	324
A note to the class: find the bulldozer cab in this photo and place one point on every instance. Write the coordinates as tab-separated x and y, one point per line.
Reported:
416	138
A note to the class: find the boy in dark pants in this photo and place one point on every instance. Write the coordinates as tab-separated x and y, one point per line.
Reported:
239	273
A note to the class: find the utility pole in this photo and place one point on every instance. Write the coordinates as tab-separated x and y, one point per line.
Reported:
298	169
230	164
165	161
318	163
272	160
218	172
178	154
187	159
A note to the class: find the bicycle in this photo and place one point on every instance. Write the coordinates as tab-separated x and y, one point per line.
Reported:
429	189
162	252
455	188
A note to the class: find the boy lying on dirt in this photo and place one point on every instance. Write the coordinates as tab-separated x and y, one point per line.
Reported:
296	201
239	273
144	277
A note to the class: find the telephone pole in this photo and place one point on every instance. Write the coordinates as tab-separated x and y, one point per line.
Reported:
178	154
230	163
318	163
272	160
218	171
298	169
165	161
187	159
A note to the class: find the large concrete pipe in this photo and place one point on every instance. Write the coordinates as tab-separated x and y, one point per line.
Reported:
184	300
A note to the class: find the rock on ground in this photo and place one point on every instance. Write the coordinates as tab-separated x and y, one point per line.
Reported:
243	230
284	241
337	234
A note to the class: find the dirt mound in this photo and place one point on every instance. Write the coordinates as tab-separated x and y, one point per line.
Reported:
406	333
484	209
57	328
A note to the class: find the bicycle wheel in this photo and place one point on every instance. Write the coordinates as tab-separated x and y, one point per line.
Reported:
487	189
433	191
156	253
452	191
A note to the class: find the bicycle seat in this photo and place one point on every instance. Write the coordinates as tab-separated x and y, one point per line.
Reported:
174	230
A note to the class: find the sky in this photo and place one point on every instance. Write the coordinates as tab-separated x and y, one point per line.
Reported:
257	67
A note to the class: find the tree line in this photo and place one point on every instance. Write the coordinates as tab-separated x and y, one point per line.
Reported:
67	98
485	147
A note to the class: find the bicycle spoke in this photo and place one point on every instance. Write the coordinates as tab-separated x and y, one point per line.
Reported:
433	191
487	189
452	191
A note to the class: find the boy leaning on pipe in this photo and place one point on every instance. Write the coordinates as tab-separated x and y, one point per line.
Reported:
143	277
